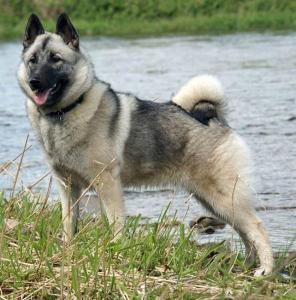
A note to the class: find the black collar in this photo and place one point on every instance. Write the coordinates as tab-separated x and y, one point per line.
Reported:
60	113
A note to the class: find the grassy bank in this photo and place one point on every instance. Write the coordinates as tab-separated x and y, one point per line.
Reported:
147	261
153	17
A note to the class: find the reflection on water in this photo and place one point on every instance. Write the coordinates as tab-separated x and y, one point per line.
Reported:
259	75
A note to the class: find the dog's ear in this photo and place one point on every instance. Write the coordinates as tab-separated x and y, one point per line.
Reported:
67	31
33	29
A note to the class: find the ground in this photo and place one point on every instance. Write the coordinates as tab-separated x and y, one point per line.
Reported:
147	261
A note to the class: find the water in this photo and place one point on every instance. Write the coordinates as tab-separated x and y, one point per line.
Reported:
258	72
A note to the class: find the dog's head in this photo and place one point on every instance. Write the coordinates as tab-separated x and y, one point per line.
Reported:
54	72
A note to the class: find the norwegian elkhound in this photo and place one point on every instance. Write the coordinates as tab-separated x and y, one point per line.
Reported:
95	137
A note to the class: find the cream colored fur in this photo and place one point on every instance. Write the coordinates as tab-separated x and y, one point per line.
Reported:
204	87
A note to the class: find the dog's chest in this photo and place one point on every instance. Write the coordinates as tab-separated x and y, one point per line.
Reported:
63	145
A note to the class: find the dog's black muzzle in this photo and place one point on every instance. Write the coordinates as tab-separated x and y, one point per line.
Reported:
49	83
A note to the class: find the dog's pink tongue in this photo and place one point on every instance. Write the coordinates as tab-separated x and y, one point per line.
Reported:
41	98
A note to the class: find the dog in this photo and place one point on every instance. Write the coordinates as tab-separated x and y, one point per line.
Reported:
97	138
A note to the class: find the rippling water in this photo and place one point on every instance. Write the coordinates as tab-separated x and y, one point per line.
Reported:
258	72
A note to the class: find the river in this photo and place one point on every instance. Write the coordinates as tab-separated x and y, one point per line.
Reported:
258	72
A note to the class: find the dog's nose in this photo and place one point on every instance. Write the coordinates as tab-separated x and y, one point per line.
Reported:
35	84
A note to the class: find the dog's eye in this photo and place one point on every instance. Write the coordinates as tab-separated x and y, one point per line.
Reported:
55	57
33	59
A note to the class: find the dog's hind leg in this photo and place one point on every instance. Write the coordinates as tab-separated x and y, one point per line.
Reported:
223	189
249	248
248	225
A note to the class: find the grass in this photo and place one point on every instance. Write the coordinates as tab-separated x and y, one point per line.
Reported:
123	27
135	18
147	261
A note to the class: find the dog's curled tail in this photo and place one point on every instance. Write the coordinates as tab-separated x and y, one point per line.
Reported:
203	98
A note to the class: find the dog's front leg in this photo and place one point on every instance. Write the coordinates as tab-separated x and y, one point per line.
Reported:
69	195
108	188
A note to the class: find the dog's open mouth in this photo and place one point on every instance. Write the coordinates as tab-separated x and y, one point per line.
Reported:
41	96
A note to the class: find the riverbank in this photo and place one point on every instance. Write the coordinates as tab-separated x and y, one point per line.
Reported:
155	260
135	19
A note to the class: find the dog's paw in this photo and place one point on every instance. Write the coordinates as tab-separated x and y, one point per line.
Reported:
261	271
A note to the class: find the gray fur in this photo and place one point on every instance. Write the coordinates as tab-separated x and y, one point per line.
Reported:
111	140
